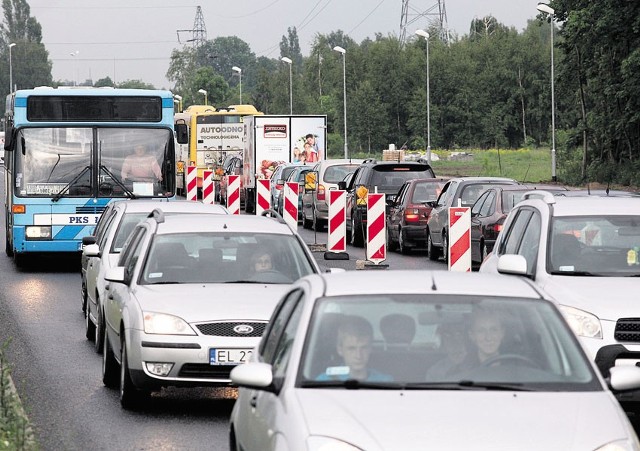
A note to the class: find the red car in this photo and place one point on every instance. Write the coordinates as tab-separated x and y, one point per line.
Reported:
407	215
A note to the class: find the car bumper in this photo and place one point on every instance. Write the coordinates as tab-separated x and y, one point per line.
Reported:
415	233
188	354
608	353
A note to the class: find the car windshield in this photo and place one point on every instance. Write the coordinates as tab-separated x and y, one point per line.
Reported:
225	258
471	192
426	191
442	342
595	245
389	178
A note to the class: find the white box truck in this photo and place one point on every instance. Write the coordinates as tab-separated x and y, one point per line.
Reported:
271	140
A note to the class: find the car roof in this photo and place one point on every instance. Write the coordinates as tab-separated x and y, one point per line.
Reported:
223	223
427	282
339	161
430	179
481	179
176	206
589	205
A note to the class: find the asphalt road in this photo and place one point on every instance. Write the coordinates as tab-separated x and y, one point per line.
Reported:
58	374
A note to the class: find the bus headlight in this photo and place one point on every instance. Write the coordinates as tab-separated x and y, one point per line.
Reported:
38	232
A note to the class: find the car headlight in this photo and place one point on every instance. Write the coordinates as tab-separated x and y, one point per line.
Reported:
584	324
318	443
620	445
161	323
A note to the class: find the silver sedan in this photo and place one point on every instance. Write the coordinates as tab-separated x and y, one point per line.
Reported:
424	360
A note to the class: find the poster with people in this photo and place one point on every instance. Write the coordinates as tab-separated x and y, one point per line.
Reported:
308	135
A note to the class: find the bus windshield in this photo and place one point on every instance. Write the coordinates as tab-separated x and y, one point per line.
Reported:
60	162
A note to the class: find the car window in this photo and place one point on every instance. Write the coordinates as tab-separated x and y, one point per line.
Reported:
530	243
414	339
127	223
102	222
225	257
102	235
337	173
513	236
282	352
477	207
489	206
510	199
596	244
425	192
471	192
277	324
130	256
401	194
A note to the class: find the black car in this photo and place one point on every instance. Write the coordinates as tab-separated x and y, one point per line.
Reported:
377	176
489	212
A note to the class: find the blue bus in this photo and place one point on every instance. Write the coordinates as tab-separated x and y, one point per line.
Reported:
70	151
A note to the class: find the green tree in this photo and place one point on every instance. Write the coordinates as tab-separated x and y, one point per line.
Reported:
104	82
135	84
30	63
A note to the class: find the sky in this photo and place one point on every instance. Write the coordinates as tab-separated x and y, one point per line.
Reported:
133	40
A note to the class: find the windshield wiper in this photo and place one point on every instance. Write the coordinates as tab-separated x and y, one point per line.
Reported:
60	193
498	386
118	182
352	384
575	273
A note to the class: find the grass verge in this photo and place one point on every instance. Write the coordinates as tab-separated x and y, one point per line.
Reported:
15	430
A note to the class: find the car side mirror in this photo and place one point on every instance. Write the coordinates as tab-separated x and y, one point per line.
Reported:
342	185
89	239
116	274
91	250
182	133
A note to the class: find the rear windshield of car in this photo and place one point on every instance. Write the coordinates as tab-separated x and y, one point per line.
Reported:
337	173
426	191
471	192
286	171
510	198
389	178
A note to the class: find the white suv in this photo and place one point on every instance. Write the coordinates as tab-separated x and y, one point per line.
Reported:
584	251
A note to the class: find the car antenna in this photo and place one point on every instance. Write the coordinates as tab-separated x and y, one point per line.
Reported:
433	283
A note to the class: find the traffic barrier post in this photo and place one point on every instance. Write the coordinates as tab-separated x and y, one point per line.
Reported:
337	226
376	229
233	194
192	183
208	187
290	204
459	252
263	196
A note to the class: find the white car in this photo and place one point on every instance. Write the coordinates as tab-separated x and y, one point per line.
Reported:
116	222
415	360
583	251
191	296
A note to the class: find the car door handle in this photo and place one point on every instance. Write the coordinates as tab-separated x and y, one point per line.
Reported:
253	402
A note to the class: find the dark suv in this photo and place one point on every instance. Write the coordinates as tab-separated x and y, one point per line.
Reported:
384	176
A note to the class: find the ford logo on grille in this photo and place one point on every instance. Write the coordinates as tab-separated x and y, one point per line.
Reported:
243	329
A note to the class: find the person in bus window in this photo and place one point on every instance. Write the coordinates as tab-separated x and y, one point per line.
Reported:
141	166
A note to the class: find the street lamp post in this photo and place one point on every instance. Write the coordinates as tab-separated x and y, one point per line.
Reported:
179	98
290	63
75	67
344	86
239	71
11	68
544	8
202	91
425	35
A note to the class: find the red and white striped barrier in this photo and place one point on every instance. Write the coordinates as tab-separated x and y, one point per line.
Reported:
290	204
263	196
459	257
233	194
376	228
337	224
192	183
208	187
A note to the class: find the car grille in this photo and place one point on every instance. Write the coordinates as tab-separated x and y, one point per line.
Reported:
226	329
205	371
628	329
